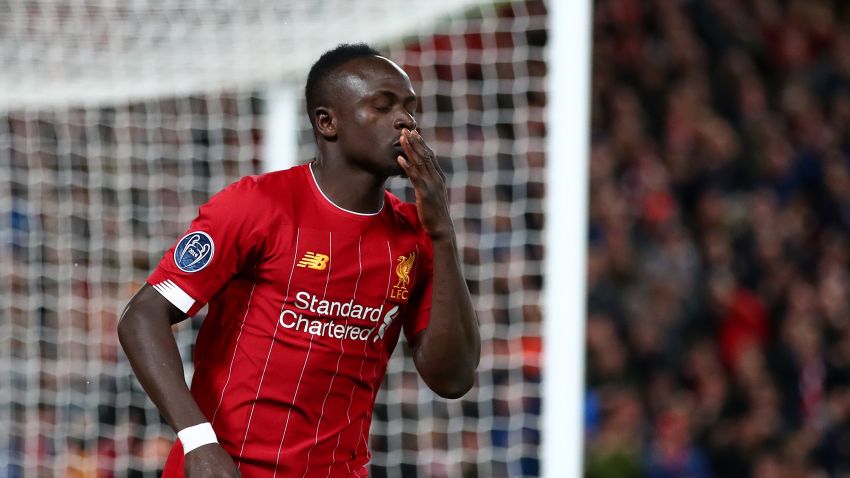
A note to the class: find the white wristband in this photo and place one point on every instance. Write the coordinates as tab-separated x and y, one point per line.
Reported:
196	435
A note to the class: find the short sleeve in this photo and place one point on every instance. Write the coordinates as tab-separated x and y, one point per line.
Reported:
220	240
419	314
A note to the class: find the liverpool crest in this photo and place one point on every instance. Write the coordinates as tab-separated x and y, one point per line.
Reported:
403	269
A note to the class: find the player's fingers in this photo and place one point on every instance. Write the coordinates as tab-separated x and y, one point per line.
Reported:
421	154
408	168
422	150
407	147
420	147
434	162
432	165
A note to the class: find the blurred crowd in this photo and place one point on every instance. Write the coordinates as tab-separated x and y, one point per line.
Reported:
96	193
719	300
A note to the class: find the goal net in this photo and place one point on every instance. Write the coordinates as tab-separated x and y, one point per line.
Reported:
117	119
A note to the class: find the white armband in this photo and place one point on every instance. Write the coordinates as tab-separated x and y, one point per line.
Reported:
196	436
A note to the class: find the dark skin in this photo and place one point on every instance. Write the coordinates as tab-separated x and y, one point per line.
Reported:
365	132
145	333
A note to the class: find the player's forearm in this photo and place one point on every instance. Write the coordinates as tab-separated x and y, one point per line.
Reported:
145	334
449	350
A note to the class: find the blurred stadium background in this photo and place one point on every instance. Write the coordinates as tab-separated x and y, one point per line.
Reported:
718	324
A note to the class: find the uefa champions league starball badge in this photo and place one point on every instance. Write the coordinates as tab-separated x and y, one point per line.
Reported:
194	252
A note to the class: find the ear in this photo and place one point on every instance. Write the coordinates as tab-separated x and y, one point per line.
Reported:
325	123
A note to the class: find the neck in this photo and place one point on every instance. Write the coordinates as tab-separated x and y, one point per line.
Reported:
349	187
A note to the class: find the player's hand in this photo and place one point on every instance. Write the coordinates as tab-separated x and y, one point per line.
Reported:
209	461
429	183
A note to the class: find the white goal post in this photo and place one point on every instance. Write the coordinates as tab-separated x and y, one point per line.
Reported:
566	238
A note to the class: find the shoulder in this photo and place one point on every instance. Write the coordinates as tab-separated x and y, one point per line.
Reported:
404	214
295	175
272	183
406	219
259	198
264	189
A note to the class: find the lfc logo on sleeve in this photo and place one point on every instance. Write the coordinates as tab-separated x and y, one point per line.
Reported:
403	269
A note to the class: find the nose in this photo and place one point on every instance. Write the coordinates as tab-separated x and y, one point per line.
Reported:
405	120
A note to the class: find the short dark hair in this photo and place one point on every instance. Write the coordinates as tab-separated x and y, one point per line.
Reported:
326	64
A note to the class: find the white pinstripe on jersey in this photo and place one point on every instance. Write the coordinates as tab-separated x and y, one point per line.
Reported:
359	372
379	344
271	345
233	357
306	359
330	386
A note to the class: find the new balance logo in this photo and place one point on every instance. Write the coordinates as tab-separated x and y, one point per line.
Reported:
314	261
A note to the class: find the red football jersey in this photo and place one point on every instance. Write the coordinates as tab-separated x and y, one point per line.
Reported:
306	303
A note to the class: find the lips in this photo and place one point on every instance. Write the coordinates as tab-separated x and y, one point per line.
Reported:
398	149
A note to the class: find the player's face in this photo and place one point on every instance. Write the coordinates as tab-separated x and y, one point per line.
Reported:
376	102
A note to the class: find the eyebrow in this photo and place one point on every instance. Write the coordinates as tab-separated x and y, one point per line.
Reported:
393	96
